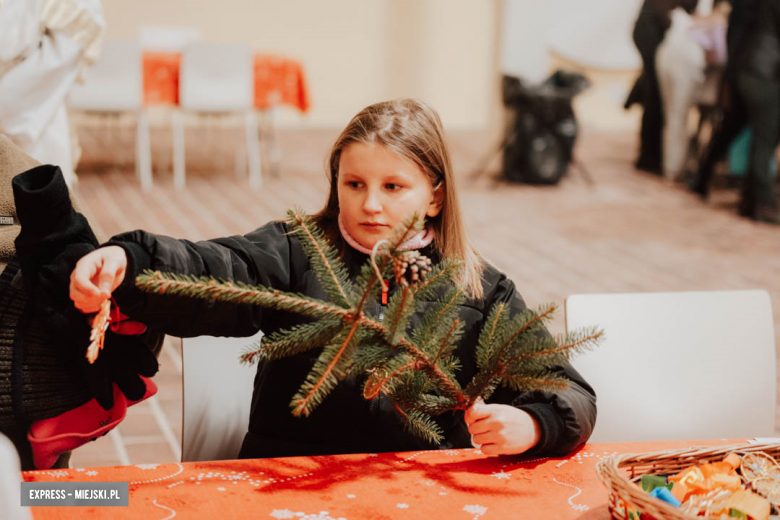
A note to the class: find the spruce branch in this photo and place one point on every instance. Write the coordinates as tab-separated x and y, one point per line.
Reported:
295	340
205	288
422	425
311	394
414	367
323	257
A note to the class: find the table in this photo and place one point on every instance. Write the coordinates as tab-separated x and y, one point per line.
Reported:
451	484
278	80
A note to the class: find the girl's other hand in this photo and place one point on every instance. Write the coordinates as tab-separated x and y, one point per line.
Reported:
501	429
96	276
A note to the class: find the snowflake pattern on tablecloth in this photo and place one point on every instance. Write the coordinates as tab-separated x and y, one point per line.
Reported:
501	475
286	513
576	507
476	510
91	473
173	511
402	506
146	466
57	473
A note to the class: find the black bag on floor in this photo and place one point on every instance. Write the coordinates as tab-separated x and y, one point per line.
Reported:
541	128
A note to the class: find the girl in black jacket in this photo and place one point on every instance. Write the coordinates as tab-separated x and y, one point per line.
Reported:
390	162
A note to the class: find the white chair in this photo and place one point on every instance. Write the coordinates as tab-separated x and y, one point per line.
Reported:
217	78
217	397
688	365
11	483
115	85
162	38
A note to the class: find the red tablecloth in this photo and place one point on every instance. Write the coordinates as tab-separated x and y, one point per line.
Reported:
452	484
278	80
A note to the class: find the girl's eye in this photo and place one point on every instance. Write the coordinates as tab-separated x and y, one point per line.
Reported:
393	187
353	184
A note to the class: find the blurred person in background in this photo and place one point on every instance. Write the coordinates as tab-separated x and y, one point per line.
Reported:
649	31
733	115
758	84
43	46
689	62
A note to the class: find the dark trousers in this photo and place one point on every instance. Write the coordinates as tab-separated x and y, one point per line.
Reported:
762	102
647	37
731	122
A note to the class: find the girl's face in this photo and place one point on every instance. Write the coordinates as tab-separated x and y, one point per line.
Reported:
378	189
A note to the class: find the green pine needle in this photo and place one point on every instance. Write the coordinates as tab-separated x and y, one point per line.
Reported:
422	425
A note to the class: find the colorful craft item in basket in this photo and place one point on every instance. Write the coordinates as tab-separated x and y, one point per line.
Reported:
715	489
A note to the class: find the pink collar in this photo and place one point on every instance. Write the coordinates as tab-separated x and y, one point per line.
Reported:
420	240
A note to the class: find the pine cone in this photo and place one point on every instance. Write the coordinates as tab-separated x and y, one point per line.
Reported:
410	267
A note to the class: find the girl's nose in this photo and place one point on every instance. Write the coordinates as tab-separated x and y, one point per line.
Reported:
372	204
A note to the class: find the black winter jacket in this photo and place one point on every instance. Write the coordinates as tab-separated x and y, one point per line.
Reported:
345	422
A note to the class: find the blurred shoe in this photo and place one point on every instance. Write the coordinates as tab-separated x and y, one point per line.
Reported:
653	167
768	215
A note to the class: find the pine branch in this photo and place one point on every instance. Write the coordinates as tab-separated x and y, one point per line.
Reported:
573	343
541	382
424	403
320	383
381	379
371	354
295	340
449	386
422	425
323	258
528	323
209	289
442	274
399	311
404	231
436	325
418	374
446	344
488	335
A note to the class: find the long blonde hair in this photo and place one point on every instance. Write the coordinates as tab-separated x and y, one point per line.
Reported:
413	130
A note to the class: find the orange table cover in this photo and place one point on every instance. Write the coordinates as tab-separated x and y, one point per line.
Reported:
447	484
278	80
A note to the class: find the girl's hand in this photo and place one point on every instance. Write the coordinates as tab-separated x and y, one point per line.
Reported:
96	276
501	429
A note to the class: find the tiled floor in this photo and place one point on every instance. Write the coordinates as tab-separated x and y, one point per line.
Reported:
627	232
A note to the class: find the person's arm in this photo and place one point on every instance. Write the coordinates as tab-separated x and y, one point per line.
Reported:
561	420
262	257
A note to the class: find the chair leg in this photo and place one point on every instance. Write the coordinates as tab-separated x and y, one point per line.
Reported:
179	173
274	152
143	156
240	164
253	151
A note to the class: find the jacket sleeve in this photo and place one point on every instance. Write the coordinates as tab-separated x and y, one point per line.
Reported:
565	418
262	257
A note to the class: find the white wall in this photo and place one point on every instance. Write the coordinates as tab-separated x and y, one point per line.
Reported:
594	34
354	52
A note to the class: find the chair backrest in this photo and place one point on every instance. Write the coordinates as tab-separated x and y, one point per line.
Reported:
217	77
217	397
114	83
688	365
162	38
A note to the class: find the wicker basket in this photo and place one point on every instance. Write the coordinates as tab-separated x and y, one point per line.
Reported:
625	495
